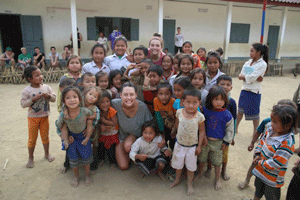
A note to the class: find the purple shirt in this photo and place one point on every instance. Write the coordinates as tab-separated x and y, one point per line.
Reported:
113	36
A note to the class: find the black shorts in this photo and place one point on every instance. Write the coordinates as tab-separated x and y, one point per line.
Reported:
261	189
150	165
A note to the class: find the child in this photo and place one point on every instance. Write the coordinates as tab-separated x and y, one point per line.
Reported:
198	79
252	75
37	97
115	83
145	151
273	152
102	81
98	54
164	111
167	64
88	79
189	121
118	59
293	189
108	138
180	84
220	51
258	134
80	151
187	48
151	81
74	66
185	65
213	62
54	58
219	131
201	52
67	53
176	60
139	53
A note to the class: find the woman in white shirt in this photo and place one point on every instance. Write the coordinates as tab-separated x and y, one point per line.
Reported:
103	40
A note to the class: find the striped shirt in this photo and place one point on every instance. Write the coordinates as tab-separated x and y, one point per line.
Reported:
275	153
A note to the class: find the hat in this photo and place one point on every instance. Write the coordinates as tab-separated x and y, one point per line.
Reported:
8	49
23	48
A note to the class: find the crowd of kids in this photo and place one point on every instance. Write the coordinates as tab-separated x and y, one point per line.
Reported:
194	118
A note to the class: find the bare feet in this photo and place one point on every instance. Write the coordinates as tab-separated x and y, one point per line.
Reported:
207	173
75	182
88	180
49	157
161	176
218	184
63	170
190	189
175	183
243	185
30	163
225	176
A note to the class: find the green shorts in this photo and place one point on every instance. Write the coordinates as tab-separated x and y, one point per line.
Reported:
213	149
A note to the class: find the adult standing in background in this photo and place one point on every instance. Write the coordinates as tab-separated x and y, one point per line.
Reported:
116	33
178	41
103	40
79	39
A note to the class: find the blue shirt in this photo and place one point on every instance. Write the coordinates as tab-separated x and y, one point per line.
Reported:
215	122
112	37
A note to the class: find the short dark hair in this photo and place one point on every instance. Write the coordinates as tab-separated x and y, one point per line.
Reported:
148	61
128	84
196	71
36	47
183	81
287	114
87	74
105	94
156	68
201	48
213	93
67	82
100	75
151	123
120	38
52	48
144	49
191	91
165	85
28	72
225	78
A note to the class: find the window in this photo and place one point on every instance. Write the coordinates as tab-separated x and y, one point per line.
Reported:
127	26
239	33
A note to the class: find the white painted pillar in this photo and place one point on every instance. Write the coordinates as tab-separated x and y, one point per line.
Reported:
227	29
160	16
74	26
282	31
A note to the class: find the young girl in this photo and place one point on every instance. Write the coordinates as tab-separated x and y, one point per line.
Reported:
175	62
252	75
185	65
146	153
74	66
219	130
187	48
103	41
180	84
118	59
213	63
98	54
189	122
167	64
102	81
201	52
37	97
80	151
273	152
115	83
108	138
198	79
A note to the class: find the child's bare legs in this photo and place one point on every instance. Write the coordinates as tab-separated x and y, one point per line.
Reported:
47	154
255	125
190	188
245	183
177	179
223	172
88	178
64	136
201	166
30	159
75	180
238	120
218	184
208	171
161	166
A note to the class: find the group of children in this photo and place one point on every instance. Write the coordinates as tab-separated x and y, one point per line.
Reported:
194	116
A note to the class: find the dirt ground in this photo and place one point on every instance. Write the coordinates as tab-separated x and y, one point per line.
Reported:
44	181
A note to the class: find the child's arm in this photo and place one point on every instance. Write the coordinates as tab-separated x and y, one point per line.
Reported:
135	148
174	130
89	131
229	129
112	122
26	100
130	67
254	139
259	71
202	135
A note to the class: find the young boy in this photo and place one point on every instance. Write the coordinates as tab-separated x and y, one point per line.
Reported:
189	122
139	54
152	79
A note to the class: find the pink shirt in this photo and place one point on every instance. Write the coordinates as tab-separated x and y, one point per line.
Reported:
159	62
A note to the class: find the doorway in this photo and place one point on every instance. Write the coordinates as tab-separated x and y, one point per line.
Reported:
273	41
11	33
169	27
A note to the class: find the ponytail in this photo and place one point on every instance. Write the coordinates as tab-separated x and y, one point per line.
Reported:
264	52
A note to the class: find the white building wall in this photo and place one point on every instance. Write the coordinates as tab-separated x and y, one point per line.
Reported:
206	28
